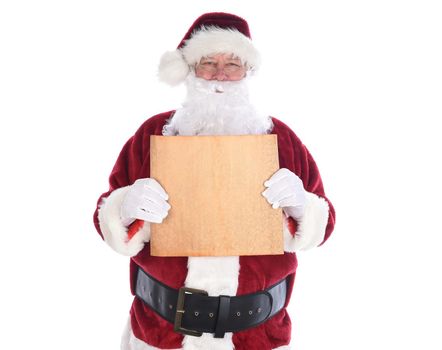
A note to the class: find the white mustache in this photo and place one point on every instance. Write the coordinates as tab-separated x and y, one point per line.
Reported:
218	89
204	87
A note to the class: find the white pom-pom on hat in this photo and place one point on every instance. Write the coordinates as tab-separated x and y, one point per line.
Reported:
173	68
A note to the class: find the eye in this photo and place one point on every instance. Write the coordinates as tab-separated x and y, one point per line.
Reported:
233	64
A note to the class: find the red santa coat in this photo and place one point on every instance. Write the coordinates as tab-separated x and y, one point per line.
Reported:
254	272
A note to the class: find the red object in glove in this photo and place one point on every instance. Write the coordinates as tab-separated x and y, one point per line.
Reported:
134	227
292	225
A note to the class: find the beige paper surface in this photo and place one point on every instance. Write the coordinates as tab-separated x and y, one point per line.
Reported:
214	185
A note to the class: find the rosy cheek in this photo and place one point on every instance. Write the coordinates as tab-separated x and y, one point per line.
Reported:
238	76
203	74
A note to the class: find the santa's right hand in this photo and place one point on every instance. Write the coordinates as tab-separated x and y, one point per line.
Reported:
145	200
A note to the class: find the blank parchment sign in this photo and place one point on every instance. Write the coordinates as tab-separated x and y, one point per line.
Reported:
214	185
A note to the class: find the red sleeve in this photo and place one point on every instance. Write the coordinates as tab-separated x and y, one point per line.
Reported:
294	155
133	161
124	173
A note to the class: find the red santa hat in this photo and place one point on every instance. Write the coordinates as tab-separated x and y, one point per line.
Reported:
211	33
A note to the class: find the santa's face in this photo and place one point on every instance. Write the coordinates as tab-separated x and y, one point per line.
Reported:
221	67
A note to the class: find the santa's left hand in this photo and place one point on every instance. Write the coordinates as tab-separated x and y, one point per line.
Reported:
285	190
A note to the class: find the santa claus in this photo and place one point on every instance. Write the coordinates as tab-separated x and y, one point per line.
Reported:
235	302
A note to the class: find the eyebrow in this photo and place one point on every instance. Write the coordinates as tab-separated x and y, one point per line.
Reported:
213	58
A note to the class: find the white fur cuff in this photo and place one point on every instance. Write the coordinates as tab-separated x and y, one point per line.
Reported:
113	230
311	227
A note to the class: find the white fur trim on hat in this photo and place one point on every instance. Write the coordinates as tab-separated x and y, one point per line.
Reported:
311	227
113	230
213	40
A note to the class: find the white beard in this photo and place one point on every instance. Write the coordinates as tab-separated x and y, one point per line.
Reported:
217	108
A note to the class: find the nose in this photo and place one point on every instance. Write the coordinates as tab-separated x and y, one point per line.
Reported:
220	75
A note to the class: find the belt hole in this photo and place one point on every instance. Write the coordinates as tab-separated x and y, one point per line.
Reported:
211	314
196	313
250	312
238	314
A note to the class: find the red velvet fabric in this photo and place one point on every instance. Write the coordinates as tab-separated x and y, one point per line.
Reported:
256	272
220	20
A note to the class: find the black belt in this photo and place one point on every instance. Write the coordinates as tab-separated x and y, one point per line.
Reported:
193	312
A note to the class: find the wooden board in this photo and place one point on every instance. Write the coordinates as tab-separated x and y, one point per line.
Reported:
214	185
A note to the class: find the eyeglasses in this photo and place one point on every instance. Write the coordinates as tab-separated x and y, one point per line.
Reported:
229	68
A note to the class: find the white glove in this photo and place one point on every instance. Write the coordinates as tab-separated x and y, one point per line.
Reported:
285	190
146	200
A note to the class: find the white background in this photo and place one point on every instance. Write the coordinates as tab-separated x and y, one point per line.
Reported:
360	82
